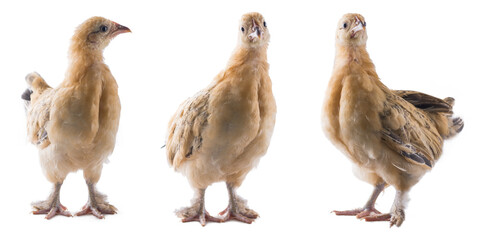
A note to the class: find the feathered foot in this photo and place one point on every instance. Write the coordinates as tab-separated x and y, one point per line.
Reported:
52	206
97	204
197	211
368	209
237	208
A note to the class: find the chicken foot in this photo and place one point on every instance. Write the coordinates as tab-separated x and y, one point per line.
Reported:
52	206
237	208
368	209
97	204
397	213
197	211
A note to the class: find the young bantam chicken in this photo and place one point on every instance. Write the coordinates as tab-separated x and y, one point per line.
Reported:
392	137
74	125
220	133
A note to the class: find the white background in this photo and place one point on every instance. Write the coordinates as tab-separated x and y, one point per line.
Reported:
174	50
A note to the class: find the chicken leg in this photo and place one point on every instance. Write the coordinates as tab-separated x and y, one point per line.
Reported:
397	213
237	208
197	211
368	209
97	204
52	205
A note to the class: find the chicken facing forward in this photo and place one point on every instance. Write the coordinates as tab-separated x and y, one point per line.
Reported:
392	137
74	125
220	133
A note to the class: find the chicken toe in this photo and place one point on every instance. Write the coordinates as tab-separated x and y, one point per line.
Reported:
360	212
378	217
396	218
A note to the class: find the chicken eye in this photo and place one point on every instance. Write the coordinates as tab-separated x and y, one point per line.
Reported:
103	28
345	25
264	24
243	29
364	24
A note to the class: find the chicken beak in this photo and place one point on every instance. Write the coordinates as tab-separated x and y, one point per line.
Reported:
256	32
119	29
359	27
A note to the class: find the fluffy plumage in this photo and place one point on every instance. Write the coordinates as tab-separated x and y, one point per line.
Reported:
74	125
392	137
220	133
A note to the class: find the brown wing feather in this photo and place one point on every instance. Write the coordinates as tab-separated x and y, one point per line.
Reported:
185	128
410	132
424	101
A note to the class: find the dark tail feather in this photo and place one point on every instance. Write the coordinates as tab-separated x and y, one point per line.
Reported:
26	94
455	125
458	124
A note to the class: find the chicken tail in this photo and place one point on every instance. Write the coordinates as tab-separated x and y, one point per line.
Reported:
26	95
450	101
36	82
36	85
455	126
